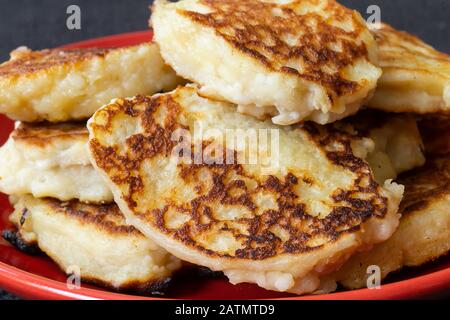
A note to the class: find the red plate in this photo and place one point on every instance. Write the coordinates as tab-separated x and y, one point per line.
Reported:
39	278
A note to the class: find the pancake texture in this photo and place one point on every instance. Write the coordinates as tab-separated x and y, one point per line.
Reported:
398	145
96	240
51	160
424	231
64	85
289	60
416	77
282	228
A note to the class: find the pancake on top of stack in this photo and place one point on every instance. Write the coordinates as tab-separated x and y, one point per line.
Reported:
290	60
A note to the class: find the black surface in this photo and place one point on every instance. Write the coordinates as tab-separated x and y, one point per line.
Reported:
42	23
6	296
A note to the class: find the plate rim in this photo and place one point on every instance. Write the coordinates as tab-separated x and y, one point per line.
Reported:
32	286
18	281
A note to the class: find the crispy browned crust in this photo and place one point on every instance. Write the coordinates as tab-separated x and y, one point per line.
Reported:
387	36
426	185
399	50
432	182
26	62
106	217
252	28
40	134
16	240
435	130
230	186
422	236
149	288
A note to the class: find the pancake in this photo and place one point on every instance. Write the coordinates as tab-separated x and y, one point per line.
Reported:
280	225
424	231
398	145
289	60
95	239
63	85
51	160
416	77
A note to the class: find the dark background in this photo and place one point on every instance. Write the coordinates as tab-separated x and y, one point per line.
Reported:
41	24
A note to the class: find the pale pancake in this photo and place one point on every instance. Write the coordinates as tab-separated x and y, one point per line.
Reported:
51	160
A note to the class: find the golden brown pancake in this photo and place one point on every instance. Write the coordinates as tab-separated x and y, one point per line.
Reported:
416	77
96	241
290	60
62	85
424	231
282	228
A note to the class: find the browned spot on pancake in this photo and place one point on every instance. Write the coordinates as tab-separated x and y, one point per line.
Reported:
29	62
156	141
107	217
252	27
40	134
425	185
388	38
233	186
16	240
147	288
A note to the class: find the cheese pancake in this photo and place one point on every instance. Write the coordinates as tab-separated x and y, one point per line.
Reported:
281	225
51	160
398	145
424	231
96	240
290	60
416	77
63	85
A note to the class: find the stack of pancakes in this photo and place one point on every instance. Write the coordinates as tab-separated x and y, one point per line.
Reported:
62	205
351	187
